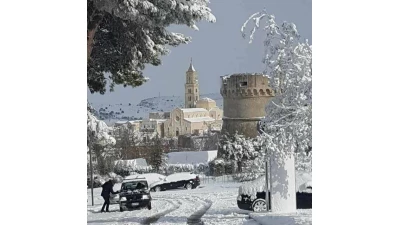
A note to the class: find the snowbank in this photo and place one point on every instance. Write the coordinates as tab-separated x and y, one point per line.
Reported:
191	157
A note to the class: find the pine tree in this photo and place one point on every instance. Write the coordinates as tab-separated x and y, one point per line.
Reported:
125	35
158	157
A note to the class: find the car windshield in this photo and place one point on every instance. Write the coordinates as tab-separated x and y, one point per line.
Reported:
134	185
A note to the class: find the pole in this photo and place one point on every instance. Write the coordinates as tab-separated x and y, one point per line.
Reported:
91	172
266	181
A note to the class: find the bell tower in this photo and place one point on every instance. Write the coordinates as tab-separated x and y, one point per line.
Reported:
192	91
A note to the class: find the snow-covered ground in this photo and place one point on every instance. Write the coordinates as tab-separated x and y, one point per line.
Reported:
176	206
217	201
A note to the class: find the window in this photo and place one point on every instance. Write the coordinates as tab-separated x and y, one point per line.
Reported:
197	98
190	98
243	84
190	91
196	90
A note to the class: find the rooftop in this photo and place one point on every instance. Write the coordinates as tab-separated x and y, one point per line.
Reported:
199	119
191	68
207	100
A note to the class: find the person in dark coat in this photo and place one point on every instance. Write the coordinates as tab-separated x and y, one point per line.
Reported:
105	193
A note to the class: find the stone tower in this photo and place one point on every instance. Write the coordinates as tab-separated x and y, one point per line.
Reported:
245	97
191	87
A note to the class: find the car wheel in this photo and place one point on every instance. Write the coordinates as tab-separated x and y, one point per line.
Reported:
259	205
149	206
157	189
189	186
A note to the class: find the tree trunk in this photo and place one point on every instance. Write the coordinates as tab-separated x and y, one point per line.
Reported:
93	24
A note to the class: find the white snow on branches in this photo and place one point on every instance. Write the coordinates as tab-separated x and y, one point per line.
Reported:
287	125
97	131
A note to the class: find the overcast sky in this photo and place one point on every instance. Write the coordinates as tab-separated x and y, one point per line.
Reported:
217	49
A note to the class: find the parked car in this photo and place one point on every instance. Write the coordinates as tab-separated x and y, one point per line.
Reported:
134	193
252	194
176	180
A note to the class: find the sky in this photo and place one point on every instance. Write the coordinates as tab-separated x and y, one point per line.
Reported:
217	49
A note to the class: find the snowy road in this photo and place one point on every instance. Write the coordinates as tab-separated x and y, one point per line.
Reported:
213	204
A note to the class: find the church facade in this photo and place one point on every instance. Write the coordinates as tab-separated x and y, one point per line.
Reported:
199	115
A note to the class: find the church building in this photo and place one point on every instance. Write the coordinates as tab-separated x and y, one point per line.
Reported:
198	116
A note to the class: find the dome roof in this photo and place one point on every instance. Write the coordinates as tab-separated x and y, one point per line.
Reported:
206	100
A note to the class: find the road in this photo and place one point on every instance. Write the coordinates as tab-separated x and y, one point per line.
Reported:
210	204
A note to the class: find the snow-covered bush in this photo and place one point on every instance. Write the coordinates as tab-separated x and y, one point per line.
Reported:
238	149
178	168
303	161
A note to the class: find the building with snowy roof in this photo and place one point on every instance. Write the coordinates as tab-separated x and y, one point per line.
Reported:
198	116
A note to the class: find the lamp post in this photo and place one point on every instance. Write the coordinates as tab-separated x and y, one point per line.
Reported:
91	166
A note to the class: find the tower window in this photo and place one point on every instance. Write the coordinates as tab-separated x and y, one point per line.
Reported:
190	91
196	90
190	98
197	98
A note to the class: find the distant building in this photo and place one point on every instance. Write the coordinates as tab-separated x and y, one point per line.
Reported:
159	115
150	126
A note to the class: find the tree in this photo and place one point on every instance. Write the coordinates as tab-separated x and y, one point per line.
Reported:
158	157
124	35
237	148
287	125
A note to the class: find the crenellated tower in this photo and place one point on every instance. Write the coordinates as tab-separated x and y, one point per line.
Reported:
245	97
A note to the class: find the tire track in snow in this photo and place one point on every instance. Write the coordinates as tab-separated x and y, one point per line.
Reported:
154	218
195	218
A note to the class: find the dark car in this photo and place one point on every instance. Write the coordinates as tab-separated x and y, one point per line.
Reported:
256	201
177	180
134	194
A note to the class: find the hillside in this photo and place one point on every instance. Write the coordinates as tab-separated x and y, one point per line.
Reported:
111	113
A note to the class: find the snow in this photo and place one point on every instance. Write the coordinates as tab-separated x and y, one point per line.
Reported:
139	162
303	179
191	157
200	119
193	110
150	177
180	176
176	206
300	217
175	177
207	99
140	110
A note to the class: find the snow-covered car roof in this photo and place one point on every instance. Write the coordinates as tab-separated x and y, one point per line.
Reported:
303	184
175	177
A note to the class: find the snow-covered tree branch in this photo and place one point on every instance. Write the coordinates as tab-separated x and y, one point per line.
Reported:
287	125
